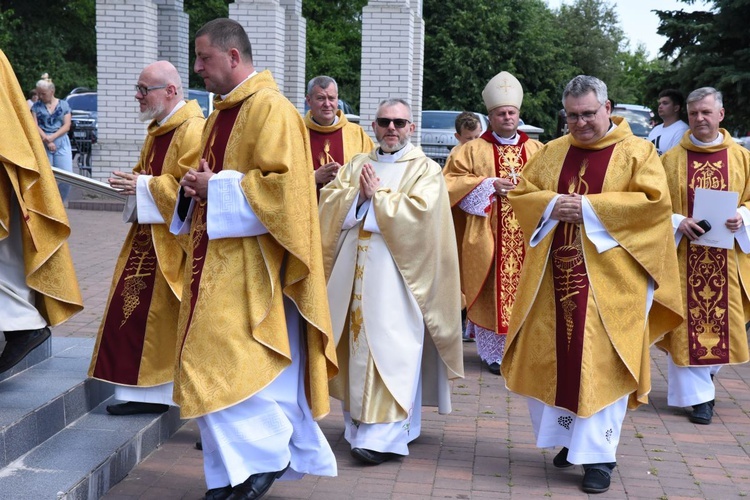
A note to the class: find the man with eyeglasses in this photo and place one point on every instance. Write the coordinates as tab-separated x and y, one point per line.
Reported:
137	339
713	279
334	140
479	177
256	350
38	285
599	283
393	286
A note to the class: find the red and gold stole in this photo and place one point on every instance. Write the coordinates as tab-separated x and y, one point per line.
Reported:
707	270
583	172
327	147
509	161
214	154
124	329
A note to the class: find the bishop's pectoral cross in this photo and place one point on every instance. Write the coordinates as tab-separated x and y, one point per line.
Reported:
513	175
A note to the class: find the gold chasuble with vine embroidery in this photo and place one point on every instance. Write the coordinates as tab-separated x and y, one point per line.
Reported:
579	333
233	337
714	280
137	340
491	249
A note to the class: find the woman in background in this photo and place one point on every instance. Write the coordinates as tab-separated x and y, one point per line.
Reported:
52	117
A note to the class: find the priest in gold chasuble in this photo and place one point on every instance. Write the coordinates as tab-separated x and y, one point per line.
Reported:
479	177
137	340
393	288
714	280
38	285
334	140
599	283
255	348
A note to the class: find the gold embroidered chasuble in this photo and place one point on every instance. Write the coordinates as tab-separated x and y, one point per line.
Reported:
417	240
26	172
491	243
351	141
137	340
634	208
714	281
236	342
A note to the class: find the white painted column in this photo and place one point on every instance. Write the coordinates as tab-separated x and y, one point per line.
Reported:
265	23
294	53
126	41
174	31
417	70
388	50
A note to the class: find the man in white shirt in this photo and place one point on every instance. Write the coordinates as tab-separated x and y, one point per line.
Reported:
668	134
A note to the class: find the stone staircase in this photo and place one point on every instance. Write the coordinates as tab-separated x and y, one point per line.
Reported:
56	439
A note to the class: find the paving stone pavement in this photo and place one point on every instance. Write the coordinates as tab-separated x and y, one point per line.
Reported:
483	450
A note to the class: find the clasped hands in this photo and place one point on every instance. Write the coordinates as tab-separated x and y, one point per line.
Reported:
195	182
568	209
369	182
692	231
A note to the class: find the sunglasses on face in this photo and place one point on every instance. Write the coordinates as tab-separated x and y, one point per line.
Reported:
397	122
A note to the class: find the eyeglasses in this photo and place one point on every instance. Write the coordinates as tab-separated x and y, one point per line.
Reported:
588	116
397	122
144	90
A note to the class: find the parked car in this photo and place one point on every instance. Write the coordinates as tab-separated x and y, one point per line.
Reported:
83	106
205	100
438	129
640	118
83	127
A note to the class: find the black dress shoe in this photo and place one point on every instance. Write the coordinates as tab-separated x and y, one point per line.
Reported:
19	344
218	493
136	408
702	413
561	459
256	485
372	457
494	368
596	480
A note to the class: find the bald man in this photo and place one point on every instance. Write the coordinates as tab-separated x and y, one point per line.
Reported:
135	346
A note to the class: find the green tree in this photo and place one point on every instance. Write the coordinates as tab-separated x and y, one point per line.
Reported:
591	32
48	36
633	84
467	43
334	48
711	48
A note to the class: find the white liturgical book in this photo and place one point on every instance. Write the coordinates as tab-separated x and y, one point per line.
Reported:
715	207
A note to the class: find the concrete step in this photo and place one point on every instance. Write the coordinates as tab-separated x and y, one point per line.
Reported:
58	442
44	351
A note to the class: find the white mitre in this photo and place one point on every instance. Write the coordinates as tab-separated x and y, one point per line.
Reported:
503	90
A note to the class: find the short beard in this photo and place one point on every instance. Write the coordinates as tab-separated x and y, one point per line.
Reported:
151	113
392	149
